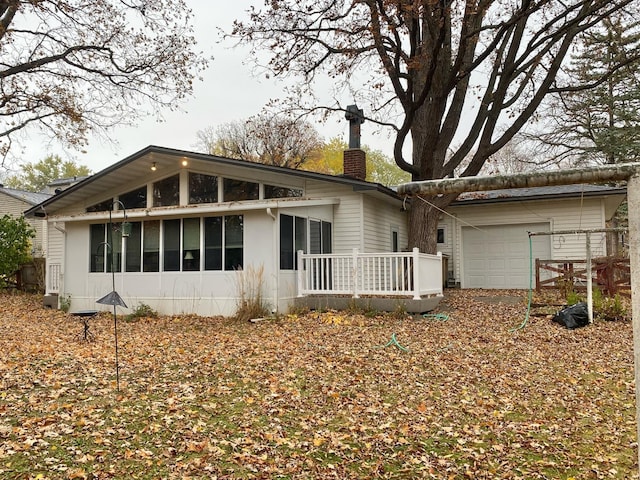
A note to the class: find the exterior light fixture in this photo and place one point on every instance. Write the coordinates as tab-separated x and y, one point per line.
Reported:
153	167
185	162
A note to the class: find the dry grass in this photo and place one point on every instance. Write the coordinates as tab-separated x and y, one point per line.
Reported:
317	396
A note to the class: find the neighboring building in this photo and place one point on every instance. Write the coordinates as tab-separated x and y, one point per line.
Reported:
486	236
196	219
14	202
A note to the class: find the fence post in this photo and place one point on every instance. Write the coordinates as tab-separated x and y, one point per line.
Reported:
354	273
300	273
416	272
537	274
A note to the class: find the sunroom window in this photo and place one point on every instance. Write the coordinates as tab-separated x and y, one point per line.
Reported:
166	192
238	190
202	188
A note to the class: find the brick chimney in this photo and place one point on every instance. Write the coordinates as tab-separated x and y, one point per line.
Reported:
355	163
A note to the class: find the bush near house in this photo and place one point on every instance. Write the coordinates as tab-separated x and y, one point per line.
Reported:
15	244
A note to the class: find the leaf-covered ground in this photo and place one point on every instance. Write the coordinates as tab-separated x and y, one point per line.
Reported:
317	396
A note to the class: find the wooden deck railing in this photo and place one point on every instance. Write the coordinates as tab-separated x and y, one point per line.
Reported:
397	274
611	274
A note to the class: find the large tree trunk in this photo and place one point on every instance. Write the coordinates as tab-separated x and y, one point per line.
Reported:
423	221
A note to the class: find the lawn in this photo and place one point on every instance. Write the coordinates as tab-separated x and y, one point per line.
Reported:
316	396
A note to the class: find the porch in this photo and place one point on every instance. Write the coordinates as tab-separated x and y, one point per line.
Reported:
412	281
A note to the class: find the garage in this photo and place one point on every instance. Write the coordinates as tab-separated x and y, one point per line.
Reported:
497	256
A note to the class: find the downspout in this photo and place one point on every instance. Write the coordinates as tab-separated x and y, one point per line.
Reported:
64	258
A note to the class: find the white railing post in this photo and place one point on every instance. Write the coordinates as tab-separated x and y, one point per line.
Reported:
354	273
300	272
442	273
416	273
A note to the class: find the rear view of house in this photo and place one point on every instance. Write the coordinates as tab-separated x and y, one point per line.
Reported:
184	224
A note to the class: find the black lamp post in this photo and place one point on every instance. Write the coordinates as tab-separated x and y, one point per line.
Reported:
113	298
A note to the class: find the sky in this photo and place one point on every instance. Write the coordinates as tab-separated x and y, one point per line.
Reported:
229	92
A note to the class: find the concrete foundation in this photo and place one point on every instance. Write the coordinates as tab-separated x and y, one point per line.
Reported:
409	305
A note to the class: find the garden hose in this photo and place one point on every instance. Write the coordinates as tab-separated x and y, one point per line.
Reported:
526	318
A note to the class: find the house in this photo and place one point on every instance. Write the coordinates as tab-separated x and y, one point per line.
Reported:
485	234
173	229
183	224
14	202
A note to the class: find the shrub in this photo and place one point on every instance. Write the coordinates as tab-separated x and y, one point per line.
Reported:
142	310
251	302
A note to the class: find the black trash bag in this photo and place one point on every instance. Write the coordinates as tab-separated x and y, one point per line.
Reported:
573	316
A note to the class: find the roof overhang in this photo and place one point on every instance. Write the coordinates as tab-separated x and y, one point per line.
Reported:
139	165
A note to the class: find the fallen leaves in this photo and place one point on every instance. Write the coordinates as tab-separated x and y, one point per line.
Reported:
316	396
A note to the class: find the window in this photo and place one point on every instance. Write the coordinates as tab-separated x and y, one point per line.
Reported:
133	257
181	245
191	244
293	237
271	191
395	247
319	236
106	248
233	242
166	192
104	206
202	188
135	199
171	239
151	247
98	249
213	243
441	235
237	190
229	253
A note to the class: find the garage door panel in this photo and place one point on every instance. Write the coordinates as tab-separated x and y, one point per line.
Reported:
497	256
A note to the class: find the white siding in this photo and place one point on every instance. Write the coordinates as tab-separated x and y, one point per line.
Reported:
347	215
379	219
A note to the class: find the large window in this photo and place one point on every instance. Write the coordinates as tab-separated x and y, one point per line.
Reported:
233	242
319	236
191	244
171	238
293	237
271	191
237	190
151	247
106	248
223	243
166	192
202	188
134	199
180	250
133	258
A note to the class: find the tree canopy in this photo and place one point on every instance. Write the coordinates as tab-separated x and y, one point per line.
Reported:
456	80
72	67
599	124
268	139
36	176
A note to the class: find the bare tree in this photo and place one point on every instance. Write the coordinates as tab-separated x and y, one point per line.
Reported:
269	139
439	73
74	67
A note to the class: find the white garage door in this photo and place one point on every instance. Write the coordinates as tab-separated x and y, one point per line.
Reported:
498	256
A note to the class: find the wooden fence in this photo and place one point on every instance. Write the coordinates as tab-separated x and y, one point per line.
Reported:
612	275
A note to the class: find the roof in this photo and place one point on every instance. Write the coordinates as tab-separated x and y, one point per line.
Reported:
137	166
31	198
537	193
67	181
